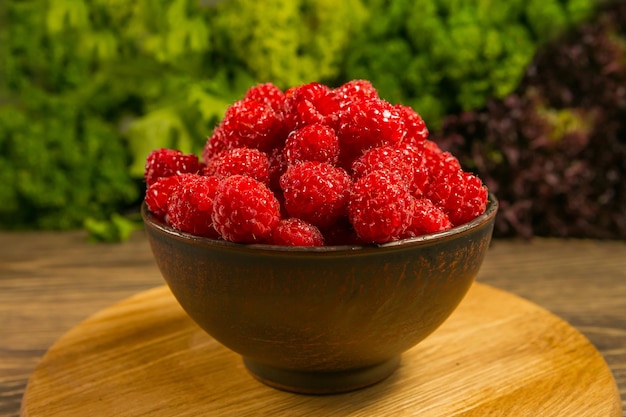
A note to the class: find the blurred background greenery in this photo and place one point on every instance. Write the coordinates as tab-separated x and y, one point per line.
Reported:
528	93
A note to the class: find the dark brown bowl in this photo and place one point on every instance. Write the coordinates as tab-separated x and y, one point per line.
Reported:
323	319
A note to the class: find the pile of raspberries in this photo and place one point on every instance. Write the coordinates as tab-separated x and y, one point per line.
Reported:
314	166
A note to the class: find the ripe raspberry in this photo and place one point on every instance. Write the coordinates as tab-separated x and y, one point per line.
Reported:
251	124
191	204
158	195
402	158
461	195
268	94
380	208
245	210
215	144
315	192
240	161
416	130
355	90
313	142
286	154
439	163
167	162
427	218
368	124
296	232
308	104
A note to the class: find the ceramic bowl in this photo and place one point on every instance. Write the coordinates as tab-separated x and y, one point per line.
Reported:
321	320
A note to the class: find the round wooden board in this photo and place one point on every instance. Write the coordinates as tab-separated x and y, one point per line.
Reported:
497	355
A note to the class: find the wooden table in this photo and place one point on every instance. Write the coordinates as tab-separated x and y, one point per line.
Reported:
49	282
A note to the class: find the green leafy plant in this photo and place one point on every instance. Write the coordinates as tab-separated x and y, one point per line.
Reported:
441	56
89	88
86	91
289	42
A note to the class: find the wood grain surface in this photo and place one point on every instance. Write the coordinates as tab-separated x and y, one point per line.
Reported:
49	282
496	355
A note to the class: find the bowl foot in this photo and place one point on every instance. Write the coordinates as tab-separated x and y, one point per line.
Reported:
303	382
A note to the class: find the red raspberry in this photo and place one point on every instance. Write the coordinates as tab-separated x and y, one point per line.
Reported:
315	192
240	161
416	130
439	163
285	154
314	142
268	94
191	204
167	162
427	218
402	158
158	195
245	210
296	232
368	124
251	124
308	104
355	90
461	195
380	207
216	143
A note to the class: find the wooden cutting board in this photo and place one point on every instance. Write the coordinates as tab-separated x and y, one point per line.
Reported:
497	355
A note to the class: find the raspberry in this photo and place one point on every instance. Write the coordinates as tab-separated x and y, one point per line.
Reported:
240	161
191	204
296	232
167	162
308	104
268	94
287	155
215	144
355	90
245	210
316	192
380	208
461	195
416	130
251	124
158	194
439	163
402	158
368	124
315	142
427	218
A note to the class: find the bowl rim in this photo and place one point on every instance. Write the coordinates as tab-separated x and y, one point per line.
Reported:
423	240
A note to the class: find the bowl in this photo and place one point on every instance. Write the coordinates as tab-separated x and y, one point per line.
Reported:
321	320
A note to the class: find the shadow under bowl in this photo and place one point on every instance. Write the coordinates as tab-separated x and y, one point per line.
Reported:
321	320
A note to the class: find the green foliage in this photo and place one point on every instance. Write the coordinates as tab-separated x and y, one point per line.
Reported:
289	42
58	170
116	229
89	88
441	56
